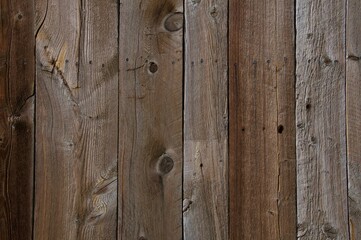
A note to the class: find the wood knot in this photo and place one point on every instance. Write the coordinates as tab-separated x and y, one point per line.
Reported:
153	67
165	164
186	204
280	129
214	12
353	58
174	22
329	231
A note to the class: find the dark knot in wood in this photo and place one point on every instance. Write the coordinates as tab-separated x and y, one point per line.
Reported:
165	164
174	22
153	67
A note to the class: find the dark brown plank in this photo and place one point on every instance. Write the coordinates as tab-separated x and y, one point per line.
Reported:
16	118
77	119
205	203
262	129
320	114
150	134
353	115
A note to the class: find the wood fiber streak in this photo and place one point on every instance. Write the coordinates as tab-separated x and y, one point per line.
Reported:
16	118
262	173
353	115
205	203
77	119
320	106
150	128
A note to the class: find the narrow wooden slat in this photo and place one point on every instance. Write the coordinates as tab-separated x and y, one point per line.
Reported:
16	118
320	107
205	203
262	129
353	114
150	134
77	118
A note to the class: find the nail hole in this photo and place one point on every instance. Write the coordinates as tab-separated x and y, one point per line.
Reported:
280	129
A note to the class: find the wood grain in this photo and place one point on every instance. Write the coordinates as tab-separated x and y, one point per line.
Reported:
17	64
150	135
77	119
205	200
353	115
320	106
262	129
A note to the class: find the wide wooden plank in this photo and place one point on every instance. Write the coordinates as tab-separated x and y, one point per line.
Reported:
320	113
262	129
150	134
17	65
77	119
353	115
205	198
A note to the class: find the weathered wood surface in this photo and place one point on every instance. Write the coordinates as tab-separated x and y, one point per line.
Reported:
353	115
320	113
262	130
150	128
77	119
16	118
205	200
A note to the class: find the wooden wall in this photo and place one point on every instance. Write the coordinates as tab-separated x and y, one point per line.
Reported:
180	119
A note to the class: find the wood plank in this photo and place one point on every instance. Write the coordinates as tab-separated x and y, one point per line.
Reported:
77	119
205	198
150	135
17	64
262	129
320	106
353	115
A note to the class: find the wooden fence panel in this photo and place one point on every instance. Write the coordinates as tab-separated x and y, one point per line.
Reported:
262	129
17	63
77	119
150	134
205	204
320	107
353	115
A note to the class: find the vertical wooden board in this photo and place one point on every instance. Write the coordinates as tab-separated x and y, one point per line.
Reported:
320	105
262	130
353	115
16	118
150	134
77	119
205	200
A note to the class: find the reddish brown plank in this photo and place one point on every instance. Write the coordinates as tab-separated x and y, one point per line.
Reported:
16	118
262	129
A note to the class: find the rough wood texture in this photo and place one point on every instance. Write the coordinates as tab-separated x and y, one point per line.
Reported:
150	135
353	115
205	200
16	118
320	107
77	119
262	130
